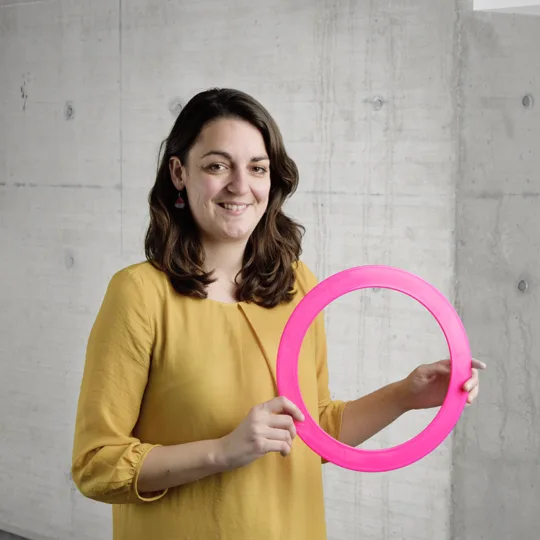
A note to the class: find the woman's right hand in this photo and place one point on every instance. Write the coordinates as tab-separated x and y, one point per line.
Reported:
269	427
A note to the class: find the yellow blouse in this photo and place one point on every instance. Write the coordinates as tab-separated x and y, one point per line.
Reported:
165	369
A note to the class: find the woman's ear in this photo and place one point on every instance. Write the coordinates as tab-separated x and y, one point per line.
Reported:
175	168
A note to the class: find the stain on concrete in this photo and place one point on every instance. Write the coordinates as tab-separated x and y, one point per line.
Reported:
24	95
69	111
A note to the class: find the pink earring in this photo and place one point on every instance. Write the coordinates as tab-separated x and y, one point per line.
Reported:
180	201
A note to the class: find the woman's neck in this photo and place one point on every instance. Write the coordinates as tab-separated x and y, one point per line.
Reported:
225	261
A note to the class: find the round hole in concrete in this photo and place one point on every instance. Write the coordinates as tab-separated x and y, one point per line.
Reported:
523	285
528	101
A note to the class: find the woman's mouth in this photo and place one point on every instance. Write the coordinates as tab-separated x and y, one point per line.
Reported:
234	208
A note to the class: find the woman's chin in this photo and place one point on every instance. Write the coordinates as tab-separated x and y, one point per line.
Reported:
236	234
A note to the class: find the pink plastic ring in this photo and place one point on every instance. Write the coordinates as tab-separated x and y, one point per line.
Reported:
460	356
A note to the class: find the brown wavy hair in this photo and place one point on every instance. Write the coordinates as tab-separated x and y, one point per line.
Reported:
173	242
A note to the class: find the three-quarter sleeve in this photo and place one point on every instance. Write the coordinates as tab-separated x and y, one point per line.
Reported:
330	410
107	458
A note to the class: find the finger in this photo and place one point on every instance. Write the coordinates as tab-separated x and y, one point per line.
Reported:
278	440
472	382
282	405
478	364
275	434
278	446
266	446
472	395
283	421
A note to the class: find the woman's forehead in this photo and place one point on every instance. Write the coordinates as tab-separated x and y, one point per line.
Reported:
231	139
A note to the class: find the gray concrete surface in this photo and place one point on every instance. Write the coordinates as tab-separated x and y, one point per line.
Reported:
440	179
496	479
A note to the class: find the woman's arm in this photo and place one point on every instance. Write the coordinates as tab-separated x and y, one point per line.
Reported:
366	416
170	466
269	427
107	457
424	388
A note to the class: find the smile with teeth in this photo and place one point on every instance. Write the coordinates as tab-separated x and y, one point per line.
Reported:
234	207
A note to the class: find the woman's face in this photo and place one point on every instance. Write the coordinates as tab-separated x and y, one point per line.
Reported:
227	180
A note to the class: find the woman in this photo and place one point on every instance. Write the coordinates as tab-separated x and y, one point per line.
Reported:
179	424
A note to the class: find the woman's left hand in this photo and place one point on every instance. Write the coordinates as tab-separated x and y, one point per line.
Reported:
427	385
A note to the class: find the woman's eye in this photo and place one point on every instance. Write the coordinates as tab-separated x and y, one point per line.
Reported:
215	167
260	170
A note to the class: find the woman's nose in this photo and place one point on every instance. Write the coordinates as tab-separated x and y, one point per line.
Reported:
239	182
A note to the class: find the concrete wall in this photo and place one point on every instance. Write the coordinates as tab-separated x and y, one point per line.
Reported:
88	88
496	479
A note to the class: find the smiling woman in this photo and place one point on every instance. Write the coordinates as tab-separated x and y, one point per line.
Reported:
179	425
226	160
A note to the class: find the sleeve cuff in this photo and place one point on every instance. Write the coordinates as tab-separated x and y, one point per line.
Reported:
146	497
331	420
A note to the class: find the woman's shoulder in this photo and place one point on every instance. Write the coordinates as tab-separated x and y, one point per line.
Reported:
305	278
143	275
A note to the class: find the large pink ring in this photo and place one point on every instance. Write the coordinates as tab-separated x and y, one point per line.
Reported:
460	356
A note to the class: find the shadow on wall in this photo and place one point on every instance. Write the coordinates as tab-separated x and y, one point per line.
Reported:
8	536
